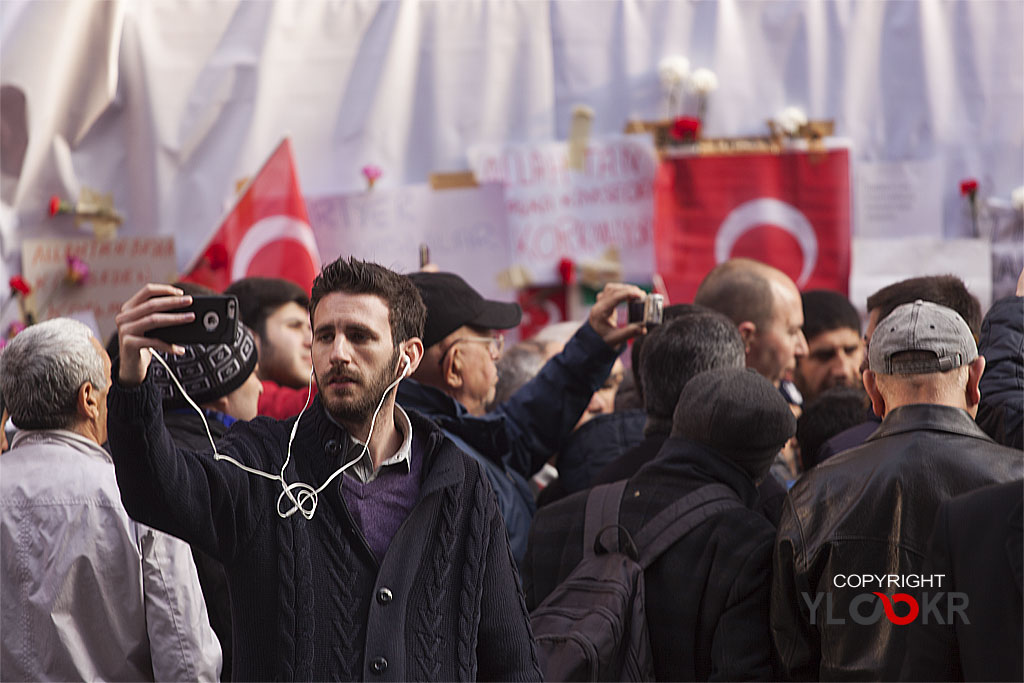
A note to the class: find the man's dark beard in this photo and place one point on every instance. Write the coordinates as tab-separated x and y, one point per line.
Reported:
361	410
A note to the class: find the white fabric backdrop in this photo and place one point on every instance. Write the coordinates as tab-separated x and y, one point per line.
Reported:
167	103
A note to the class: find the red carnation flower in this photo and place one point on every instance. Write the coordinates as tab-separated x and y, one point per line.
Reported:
968	187
685	128
567	270
18	284
54	205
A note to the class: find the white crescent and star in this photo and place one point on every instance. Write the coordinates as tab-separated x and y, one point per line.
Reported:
768	211
272	229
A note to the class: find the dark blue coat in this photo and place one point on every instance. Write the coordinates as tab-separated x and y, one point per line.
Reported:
515	440
1002	383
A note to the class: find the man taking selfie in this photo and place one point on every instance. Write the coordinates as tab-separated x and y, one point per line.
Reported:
396	568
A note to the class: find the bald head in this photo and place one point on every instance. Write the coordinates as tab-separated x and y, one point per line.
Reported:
765	305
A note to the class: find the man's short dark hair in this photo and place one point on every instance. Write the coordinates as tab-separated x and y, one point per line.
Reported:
833	411
260	297
945	290
825	310
407	313
738	289
676	351
669	313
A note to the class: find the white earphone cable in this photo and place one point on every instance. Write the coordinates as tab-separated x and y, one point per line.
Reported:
307	498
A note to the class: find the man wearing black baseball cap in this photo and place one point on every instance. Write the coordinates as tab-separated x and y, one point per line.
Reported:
869	511
456	380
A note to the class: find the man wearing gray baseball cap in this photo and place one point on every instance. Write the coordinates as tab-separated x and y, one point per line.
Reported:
868	512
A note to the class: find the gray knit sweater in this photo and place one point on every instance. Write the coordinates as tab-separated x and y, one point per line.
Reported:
309	599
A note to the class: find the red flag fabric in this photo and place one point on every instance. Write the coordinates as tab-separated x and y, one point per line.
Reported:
789	210
267	233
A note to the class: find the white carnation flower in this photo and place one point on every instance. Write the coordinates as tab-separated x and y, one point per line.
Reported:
672	71
703	81
1017	198
790	119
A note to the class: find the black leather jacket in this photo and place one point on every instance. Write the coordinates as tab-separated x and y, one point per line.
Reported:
870	510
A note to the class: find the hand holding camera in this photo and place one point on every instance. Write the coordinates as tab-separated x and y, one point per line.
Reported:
603	315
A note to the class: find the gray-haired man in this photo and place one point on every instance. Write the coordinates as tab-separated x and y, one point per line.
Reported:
87	592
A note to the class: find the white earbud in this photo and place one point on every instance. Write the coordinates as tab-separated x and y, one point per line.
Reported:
405	365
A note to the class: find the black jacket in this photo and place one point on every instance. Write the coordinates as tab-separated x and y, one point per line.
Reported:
1002	384
978	544
770	493
870	510
707	595
187	430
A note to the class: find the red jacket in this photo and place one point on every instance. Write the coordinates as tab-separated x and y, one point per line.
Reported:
281	402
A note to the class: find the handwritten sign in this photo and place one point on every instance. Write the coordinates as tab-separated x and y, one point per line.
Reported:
464	229
117	269
555	212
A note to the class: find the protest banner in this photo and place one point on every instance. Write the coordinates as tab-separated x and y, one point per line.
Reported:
555	212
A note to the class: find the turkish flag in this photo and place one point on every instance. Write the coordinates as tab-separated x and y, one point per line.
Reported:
789	210
266	234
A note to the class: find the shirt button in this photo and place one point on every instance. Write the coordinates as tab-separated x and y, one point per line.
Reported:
384	596
331	447
379	665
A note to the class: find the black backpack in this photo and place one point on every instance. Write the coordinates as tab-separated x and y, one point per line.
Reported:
592	626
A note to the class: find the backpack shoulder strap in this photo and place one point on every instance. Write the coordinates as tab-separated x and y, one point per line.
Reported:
681	517
602	511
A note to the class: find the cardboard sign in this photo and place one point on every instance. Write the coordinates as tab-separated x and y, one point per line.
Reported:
555	212
117	269
463	228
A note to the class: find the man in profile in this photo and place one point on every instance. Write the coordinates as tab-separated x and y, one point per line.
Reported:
457	379
765	306
88	593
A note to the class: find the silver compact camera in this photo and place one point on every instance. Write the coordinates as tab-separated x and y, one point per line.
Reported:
648	310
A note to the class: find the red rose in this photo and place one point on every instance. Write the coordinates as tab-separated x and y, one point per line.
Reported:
968	187
217	256
685	128
18	284
54	205
567	270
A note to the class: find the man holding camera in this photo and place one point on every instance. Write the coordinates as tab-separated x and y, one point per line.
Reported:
396	567
457	379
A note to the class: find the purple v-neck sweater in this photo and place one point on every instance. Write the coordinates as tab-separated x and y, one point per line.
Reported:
380	506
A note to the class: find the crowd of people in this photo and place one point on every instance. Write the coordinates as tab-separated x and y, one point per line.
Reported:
365	484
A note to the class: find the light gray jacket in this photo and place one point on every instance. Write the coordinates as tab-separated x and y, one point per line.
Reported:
87	593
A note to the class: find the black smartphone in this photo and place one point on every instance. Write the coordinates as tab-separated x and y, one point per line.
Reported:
215	323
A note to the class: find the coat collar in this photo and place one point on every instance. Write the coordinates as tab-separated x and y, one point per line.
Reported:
65	437
322	443
927	416
486	433
685	458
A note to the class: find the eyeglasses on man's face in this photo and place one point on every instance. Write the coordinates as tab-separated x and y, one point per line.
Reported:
495	345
